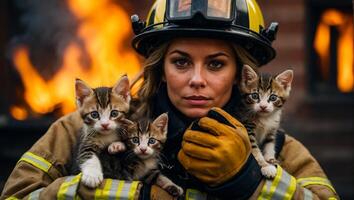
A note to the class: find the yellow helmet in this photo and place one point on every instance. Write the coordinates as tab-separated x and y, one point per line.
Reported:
239	21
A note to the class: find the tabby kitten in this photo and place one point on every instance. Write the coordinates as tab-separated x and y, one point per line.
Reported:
262	99
144	141
102	110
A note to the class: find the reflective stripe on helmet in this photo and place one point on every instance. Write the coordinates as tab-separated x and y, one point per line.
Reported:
68	188
120	189
36	161
282	187
315	181
192	194
255	16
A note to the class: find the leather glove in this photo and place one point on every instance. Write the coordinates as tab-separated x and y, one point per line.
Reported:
215	147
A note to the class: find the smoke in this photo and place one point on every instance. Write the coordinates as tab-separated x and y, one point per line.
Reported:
49	28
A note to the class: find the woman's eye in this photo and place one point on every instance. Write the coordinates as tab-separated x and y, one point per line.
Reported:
255	96
152	140
273	97
215	65
95	114
114	113
181	63
135	140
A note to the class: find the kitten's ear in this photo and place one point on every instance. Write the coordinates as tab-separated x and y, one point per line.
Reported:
122	88
248	74
285	78
127	122
82	91
161	122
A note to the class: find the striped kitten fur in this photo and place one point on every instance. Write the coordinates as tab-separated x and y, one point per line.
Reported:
144	141
263	97
102	110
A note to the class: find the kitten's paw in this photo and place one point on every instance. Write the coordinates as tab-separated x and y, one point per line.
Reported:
92	178
272	161
174	190
116	147
269	171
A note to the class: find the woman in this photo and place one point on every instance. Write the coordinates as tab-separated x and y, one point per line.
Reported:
194	50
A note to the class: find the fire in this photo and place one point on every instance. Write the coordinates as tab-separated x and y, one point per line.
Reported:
104	27
344	24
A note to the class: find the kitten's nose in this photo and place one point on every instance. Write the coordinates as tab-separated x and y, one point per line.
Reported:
263	107
105	125
143	149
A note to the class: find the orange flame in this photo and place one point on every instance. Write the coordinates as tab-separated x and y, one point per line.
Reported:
104	28
344	24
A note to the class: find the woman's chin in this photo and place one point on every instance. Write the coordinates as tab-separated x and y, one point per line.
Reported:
195	112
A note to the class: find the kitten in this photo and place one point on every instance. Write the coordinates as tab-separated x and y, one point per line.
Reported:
262	99
102	110
144	141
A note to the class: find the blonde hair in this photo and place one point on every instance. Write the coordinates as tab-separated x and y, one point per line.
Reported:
153	76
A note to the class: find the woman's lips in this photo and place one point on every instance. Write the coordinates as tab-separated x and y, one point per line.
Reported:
197	100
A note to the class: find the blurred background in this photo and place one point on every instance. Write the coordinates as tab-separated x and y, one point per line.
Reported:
45	45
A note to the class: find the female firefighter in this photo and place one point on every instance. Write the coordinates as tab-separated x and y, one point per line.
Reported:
194	51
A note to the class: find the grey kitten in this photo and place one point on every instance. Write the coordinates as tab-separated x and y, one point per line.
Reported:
262	99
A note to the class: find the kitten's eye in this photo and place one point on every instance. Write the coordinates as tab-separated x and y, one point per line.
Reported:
152	141
95	115
114	113
255	96
135	140
273	97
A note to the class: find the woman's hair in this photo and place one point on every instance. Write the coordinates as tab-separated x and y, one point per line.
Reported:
153	76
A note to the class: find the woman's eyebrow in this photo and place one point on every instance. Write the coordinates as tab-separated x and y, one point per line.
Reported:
179	52
218	54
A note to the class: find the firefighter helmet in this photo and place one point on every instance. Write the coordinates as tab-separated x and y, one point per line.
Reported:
239	21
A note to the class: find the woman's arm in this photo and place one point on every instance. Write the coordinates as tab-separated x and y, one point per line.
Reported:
300	175
208	155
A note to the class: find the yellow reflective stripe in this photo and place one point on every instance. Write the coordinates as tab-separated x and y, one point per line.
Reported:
282	187
117	189
255	17
11	198
307	194
69	187
160	13
332	198
133	190
266	188
291	189
315	181
35	194
36	161
192	194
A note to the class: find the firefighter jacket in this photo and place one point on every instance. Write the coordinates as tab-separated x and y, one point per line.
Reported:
42	172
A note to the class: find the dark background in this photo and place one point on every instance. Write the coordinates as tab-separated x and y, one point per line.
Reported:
316	114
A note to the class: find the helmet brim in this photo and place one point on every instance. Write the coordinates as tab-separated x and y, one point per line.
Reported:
262	51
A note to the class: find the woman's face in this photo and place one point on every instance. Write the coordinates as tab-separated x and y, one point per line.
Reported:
199	74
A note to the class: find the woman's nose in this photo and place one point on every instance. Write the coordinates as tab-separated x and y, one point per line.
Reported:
197	78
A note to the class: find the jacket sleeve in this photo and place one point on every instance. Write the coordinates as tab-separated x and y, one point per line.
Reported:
41	173
299	176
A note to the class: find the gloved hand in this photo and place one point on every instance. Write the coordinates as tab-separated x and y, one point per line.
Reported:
215	147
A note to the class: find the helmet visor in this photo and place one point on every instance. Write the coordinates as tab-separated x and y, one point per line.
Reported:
220	10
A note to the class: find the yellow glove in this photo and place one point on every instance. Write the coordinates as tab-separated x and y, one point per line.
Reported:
215	148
